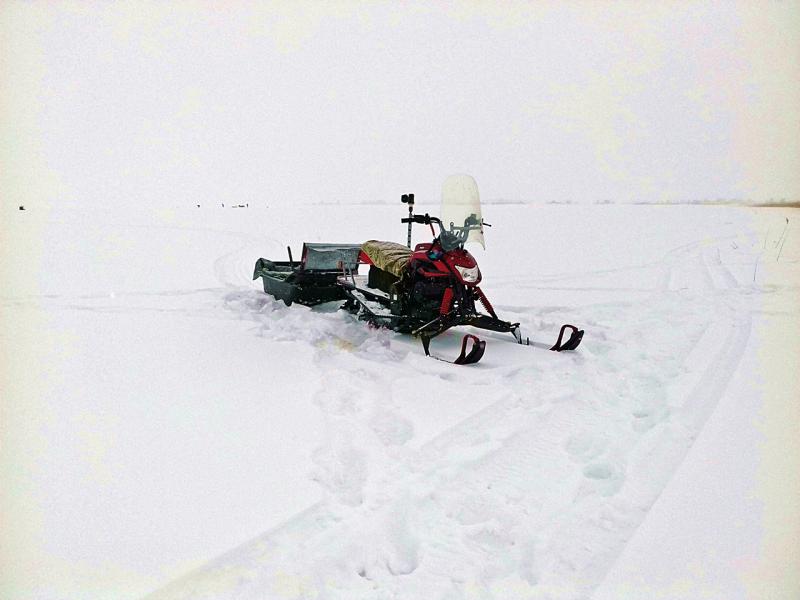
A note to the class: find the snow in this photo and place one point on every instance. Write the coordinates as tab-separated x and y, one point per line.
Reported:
168	429
730	489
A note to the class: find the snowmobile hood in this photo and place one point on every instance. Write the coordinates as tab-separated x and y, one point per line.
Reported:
464	265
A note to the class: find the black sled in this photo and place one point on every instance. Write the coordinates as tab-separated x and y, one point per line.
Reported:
312	280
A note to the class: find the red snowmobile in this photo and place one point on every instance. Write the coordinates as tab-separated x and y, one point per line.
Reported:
424	291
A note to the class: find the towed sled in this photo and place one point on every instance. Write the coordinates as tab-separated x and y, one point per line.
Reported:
423	291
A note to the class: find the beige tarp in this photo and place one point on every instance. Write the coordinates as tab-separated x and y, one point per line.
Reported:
388	256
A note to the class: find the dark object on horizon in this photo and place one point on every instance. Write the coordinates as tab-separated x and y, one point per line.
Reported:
22	207
198	206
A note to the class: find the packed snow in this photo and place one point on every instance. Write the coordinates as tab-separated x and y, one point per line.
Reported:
170	431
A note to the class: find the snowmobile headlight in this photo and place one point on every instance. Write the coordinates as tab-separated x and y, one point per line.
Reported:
469	275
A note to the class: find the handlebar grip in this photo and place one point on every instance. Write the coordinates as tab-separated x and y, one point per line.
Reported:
424	219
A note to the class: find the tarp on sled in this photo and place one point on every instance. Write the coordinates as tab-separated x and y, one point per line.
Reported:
388	256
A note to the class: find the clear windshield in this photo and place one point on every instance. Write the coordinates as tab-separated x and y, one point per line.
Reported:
461	209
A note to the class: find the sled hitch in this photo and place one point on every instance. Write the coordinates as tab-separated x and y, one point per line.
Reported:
470	357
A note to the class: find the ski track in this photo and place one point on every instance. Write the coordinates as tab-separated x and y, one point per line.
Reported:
230	269
235	266
525	498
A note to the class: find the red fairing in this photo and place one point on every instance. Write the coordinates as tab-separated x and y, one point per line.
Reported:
363	258
461	258
430	261
427	259
420	254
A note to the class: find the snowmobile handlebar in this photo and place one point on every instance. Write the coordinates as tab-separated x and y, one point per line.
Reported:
425	219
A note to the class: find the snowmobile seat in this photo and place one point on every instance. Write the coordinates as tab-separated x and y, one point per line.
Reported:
388	256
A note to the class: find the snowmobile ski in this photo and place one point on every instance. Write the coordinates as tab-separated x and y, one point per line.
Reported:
470	357
574	339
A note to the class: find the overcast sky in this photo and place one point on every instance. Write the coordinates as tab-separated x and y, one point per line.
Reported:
191	102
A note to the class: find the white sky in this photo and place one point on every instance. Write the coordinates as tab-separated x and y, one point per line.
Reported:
191	102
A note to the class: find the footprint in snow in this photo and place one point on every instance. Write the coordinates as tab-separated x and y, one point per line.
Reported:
647	417
604	478
585	446
391	429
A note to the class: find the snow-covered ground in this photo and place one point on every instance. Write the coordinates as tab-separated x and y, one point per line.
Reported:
158	410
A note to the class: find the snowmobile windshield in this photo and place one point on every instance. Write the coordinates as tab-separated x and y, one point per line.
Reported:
461	212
